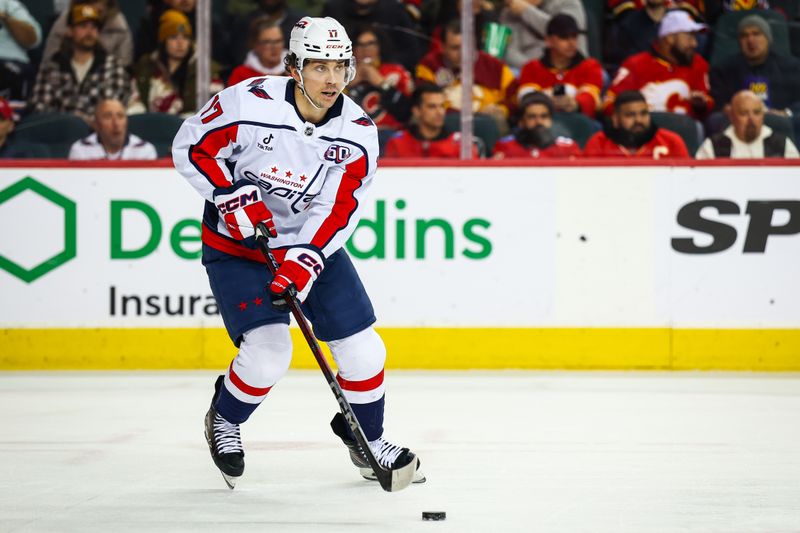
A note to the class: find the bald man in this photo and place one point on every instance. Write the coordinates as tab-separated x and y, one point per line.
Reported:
111	139
747	137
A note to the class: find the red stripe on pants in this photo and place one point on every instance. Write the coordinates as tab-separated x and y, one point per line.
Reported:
361	386
244	387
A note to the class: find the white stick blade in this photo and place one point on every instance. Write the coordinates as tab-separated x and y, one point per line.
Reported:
402	477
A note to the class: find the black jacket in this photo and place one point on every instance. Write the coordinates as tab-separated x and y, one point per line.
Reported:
779	76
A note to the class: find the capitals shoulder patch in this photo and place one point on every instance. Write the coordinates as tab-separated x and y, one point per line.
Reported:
364	120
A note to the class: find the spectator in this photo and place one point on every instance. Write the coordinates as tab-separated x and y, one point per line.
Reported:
388	15
775	79
633	134
747	137
528	22
115	34
19	32
82	74
483	11
671	75
266	54
635	30
276	11
534	136
563	72
166	79
383	90
491	77
426	136
111	139
8	149
147	40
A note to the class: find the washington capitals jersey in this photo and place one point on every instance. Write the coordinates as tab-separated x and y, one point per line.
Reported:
313	177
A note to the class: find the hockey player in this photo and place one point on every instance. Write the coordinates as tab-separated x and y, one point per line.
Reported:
297	155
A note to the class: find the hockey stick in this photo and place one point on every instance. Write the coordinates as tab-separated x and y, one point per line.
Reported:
390	480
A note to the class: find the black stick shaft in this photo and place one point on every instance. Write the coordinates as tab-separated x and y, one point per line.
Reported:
383	475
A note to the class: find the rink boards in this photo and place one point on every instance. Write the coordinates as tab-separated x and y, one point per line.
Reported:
491	266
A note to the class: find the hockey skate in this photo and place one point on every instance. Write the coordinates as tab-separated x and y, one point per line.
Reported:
224	442
388	455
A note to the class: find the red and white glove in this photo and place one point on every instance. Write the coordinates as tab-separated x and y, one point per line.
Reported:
242	208
300	268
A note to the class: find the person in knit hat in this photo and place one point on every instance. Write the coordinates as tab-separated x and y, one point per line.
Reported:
757	68
166	78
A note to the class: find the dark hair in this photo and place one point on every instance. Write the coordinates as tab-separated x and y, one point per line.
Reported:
453	26
258	25
423	89
626	97
536	98
380	35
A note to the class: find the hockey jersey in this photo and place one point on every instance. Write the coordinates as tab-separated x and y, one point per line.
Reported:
562	148
313	177
581	80
409	143
665	144
665	86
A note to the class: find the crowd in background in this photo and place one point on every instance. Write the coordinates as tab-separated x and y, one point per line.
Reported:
552	78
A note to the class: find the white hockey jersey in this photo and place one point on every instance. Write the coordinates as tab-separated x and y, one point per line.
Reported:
313	177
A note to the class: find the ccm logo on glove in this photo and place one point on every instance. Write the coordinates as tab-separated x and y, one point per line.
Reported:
300	268
242	209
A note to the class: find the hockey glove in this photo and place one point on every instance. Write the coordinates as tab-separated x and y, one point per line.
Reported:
242	208
300	268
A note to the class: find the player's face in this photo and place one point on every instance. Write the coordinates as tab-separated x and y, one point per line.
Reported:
563	47
324	81
431	110
367	48
177	46
753	43
536	115
452	48
633	117
269	46
111	122
747	117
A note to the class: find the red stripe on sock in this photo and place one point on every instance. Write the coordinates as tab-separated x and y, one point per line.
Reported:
361	386
244	387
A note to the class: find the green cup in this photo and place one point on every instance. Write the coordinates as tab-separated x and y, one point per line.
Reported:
496	41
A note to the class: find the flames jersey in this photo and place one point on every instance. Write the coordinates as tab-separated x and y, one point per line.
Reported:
664	144
562	148
581	80
665	86
313	177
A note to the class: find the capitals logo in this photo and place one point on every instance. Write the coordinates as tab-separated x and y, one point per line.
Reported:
255	88
337	153
363	120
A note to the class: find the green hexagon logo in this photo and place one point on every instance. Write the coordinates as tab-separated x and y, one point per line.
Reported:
70	230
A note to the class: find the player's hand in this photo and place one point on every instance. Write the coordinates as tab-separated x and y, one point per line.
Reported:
242	208
300	268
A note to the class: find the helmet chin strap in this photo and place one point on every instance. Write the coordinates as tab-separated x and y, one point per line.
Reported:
303	90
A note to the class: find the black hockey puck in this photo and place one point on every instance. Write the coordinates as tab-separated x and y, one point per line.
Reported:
434	515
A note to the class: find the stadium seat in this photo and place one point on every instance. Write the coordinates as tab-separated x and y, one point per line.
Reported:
781	125
576	126
726	43
157	128
688	128
483	126
56	131
595	23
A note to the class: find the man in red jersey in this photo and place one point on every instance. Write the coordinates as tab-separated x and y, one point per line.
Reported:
534	137
572	80
426	136
671	76
633	133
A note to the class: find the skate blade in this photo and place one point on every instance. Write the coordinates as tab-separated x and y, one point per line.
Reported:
369	475
229	480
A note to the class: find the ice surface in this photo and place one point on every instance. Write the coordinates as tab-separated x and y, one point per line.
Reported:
506	451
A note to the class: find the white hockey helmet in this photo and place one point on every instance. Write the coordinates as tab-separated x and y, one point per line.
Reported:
322	38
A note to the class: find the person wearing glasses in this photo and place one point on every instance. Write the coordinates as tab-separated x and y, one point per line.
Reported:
266	54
